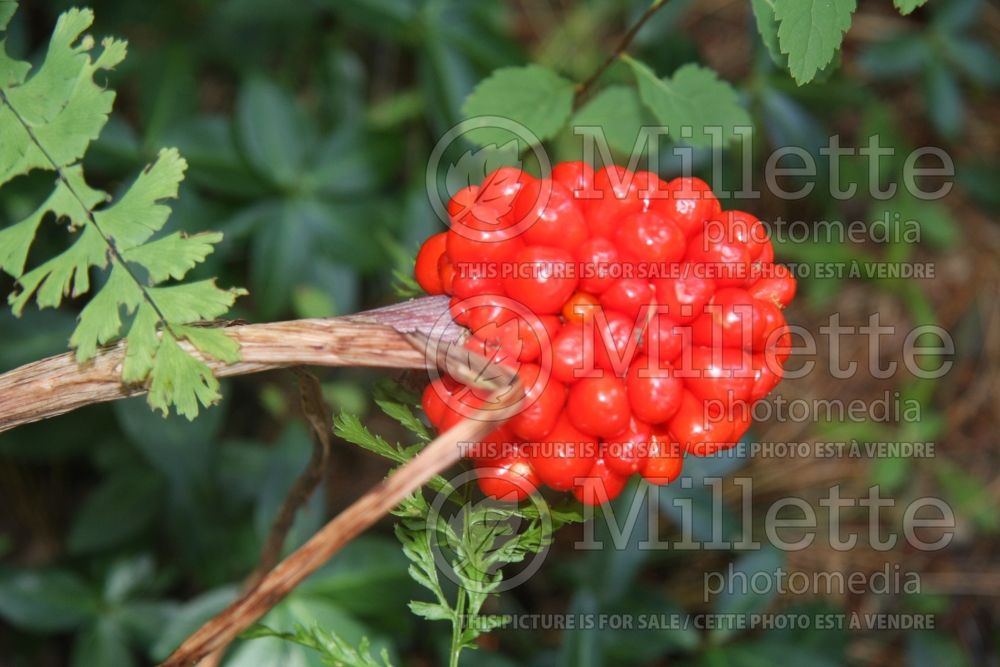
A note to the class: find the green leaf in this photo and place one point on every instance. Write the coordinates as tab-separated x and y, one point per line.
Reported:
906	7
271	131
973	58
120	508
534	96
900	55
943	96
617	112
180	380
767	26
45	600
7	9
52	117
61	103
332	648
694	98
102	643
810	32
189	618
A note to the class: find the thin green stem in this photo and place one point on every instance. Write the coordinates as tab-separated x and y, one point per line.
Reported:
457	629
626	40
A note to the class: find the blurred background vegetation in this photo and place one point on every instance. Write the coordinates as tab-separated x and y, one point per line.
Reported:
307	126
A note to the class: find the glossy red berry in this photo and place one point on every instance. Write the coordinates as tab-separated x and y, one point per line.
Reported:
564	455
544	279
665	460
426	266
626	453
510	480
599	406
683	298
599	265
654	393
650	237
542	404
630	296
600	485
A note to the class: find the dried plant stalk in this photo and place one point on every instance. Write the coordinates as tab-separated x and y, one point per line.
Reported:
59	384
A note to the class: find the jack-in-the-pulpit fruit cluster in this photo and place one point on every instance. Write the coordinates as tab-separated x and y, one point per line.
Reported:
642	320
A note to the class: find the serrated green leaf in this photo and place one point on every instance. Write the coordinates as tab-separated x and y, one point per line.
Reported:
907	6
618	113
49	120
174	255
180	380
694	99
60	102
431	611
333	649
140	213
533	96
767	26
810	32
100	320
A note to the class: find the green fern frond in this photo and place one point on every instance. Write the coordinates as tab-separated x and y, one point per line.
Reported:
47	121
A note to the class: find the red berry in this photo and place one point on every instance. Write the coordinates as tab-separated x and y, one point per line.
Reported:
728	321
578	306
500	188
568	353
544	279
654	393
564	455
616	189
598	406
726	262
550	216
473	248
626	452
426	266
665	461
691	203
767	375
663	339
598	260
615	340
723	375
542	405
698	428
779	288
601	484
474	282
511	479
574	176
434	400
683	298
629	296
649	237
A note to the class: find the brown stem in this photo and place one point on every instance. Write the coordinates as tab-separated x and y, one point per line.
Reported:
373	338
318	415
626	40
439	454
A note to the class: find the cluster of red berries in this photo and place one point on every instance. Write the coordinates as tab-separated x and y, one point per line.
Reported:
642	320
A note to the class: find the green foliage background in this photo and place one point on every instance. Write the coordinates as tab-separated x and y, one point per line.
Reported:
306	127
